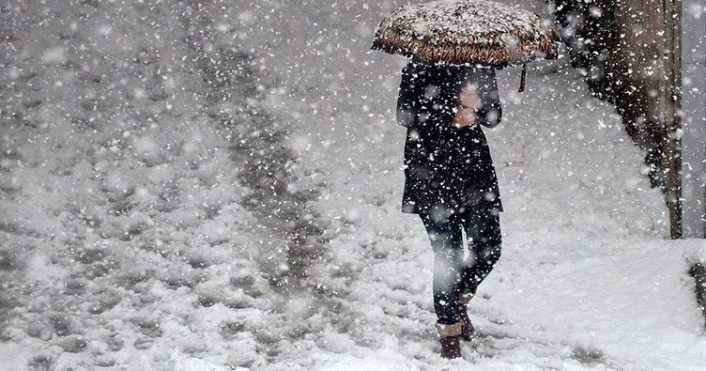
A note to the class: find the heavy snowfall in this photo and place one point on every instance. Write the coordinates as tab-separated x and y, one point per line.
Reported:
216	185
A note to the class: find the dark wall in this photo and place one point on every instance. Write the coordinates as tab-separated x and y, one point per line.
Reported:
618	44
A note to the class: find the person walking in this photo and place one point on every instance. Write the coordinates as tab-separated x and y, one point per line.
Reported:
450	182
447	93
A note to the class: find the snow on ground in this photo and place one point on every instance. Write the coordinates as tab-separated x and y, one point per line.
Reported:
135	157
154	215
587	279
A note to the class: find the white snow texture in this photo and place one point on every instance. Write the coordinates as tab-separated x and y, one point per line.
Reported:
478	19
216	185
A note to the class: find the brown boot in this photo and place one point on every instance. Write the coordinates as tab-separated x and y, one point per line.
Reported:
450	339
467	329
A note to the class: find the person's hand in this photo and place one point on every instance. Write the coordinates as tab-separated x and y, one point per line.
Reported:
470	104
464	117
470	98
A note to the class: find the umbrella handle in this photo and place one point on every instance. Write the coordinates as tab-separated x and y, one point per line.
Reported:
523	78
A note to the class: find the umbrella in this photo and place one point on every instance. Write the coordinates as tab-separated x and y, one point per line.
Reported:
466	31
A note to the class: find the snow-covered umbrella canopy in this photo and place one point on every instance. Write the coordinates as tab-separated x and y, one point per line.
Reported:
466	31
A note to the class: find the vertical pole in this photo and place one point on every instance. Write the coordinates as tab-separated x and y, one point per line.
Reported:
693	119
671	106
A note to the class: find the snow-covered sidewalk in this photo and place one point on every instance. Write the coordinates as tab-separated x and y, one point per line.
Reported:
587	279
149	245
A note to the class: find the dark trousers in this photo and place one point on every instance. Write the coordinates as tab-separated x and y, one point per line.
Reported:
452	274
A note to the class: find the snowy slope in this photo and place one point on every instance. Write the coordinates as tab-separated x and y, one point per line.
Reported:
157	245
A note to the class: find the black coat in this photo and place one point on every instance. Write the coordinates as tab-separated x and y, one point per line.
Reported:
447	169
